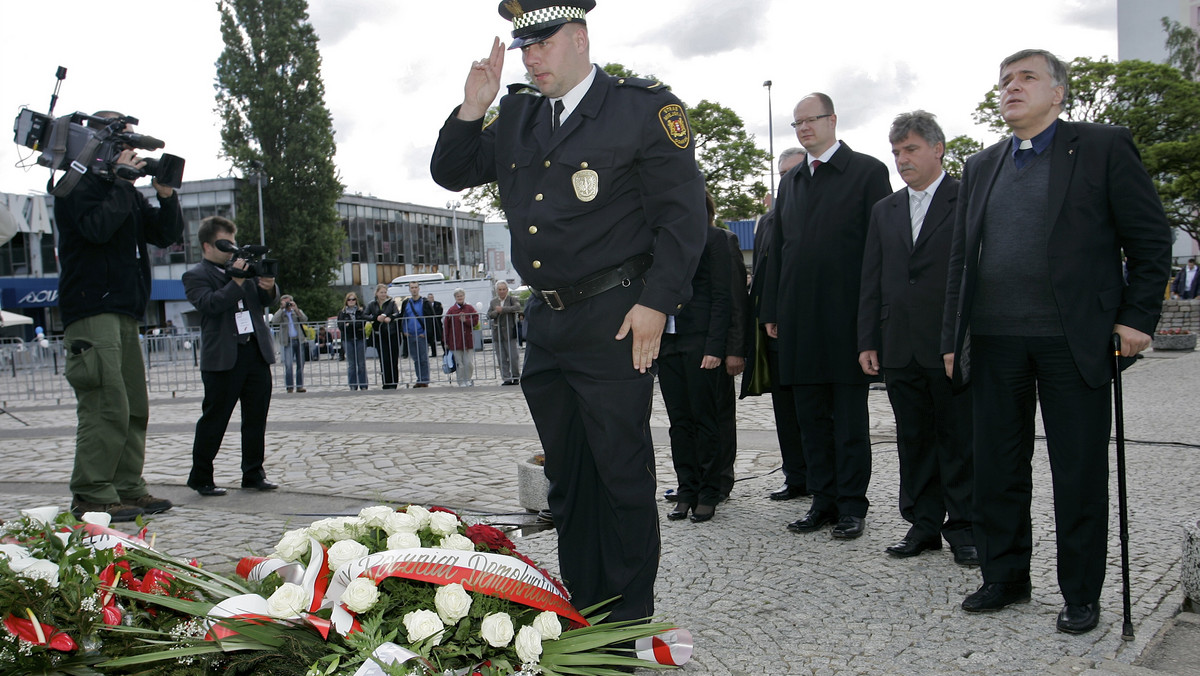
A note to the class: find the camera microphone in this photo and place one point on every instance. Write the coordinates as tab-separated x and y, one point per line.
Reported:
256	250
141	141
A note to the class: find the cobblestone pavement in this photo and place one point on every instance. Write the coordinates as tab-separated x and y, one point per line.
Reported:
758	599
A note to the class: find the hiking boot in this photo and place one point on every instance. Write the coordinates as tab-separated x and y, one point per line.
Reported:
118	511
149	504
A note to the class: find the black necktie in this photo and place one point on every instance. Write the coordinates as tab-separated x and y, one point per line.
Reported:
558	111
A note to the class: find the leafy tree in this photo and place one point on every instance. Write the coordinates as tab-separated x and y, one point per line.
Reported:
272	105
725	151
1159	104
1183	47
958	149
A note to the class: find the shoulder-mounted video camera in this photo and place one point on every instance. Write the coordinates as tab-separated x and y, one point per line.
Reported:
79	143
253	254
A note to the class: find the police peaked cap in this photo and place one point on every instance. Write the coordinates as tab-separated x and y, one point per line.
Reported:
536	20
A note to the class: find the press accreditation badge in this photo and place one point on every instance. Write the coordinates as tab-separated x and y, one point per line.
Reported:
242	319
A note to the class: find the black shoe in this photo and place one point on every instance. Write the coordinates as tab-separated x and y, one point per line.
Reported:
966	555
814	520
1078	619
997	595
849	527
149	504
702	513
680	512
260	485
912	546
789	492
210	490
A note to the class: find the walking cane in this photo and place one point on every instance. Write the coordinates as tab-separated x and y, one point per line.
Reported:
1122	504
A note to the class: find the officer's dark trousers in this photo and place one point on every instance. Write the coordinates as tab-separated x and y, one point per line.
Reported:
791	447
249	381
691	395
933	430
1010	375
837	445
592	411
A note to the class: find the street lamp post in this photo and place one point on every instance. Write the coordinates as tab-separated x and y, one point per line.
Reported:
771	136
453	206
260	177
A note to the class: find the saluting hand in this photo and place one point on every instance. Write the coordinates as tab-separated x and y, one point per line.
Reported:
647	327
483	83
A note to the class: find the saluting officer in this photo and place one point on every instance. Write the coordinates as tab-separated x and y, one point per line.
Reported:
605	204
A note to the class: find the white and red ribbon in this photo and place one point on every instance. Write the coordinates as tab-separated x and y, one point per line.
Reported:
672	647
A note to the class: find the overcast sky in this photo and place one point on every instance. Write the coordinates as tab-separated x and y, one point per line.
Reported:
394	69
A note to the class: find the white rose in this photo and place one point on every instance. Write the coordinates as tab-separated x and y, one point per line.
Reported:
456	541
399	522
102	519
529	645
13	552
288	601
452	603
360	594
420	514
442	523
41	515
322	530
347	528
403	541
548	625
421	624
375	516
345	551
293	545
497	629
36	569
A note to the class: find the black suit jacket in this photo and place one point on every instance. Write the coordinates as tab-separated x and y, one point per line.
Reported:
704	320
1180	286
1101	203
739	307
215	295
903	291
814	266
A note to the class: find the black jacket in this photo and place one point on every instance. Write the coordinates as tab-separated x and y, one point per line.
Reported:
352	323
216	297
103	229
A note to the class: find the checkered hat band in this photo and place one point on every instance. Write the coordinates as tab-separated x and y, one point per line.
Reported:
546	15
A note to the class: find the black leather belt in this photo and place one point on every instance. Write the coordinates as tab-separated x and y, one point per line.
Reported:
622	275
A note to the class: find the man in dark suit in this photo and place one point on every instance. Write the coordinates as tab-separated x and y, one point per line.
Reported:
1034	296
605	205
1187	283
236	353
899	331
810	303
783	404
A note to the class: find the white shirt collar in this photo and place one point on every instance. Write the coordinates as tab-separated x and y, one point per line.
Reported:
824	156
931	189
572	98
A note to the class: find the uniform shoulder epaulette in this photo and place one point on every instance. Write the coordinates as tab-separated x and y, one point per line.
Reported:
642	83
523	88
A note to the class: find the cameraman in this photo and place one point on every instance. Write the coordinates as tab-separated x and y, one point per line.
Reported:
104	225
236	354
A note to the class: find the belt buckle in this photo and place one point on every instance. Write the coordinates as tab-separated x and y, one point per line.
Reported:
553	300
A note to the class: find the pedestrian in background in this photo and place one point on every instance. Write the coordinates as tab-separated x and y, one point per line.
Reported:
503	313
292	342
352	325
385	332
419	327
459	329
440	338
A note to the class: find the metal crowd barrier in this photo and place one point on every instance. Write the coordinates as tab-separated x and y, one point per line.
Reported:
31	372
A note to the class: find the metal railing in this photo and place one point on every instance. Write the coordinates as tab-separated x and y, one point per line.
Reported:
33	371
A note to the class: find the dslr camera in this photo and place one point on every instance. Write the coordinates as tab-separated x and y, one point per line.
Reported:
254	255
81	143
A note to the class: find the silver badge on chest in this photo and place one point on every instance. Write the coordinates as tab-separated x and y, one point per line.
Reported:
587	184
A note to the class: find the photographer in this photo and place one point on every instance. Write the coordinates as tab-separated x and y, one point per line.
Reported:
292	342
235	357
104	225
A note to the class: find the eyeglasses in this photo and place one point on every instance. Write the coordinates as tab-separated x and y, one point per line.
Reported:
810	120
351	299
